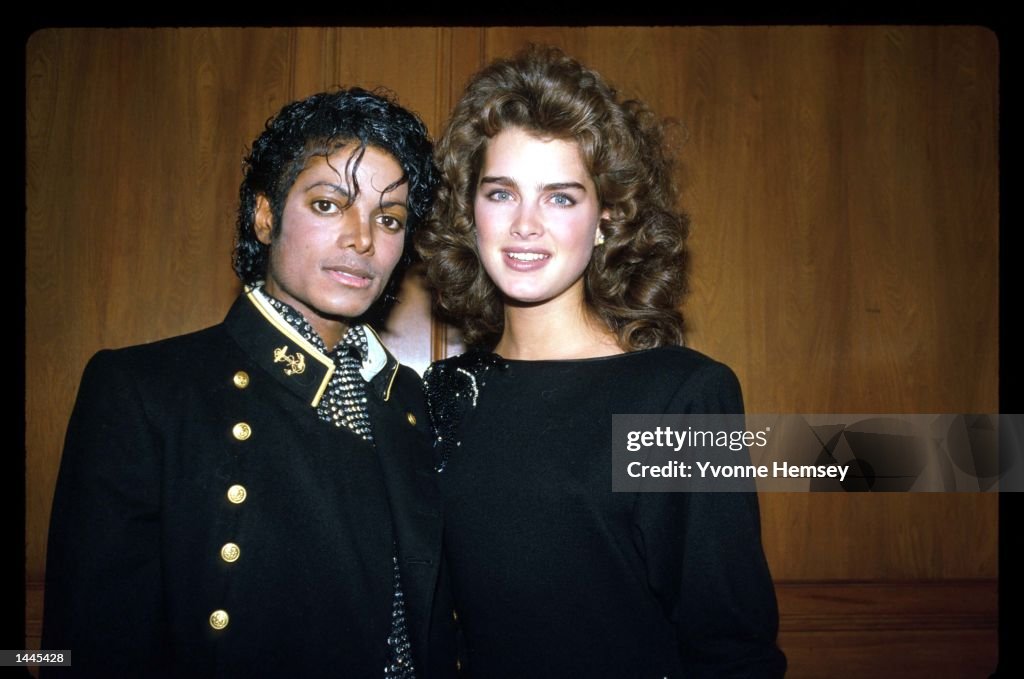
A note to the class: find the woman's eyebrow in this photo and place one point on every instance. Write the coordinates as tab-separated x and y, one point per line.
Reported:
554	186
559	186
503	181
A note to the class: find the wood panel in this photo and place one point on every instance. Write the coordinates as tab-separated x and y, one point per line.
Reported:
899	655
134	145
131	178
830	629
463	56
839	180
905	629
870	606
842	183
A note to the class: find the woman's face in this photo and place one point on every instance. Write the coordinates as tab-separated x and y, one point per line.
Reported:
537	213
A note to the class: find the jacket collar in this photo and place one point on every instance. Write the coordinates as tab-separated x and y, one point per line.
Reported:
295	362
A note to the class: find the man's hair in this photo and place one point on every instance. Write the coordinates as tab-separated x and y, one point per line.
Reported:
318	126
636	280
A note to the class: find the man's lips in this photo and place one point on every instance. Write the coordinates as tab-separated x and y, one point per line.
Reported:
352	276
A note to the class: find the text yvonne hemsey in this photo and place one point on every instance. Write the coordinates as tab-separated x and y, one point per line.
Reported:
683	470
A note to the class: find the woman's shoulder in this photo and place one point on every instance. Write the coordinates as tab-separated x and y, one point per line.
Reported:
679	358
672	379
673	364
469	366
696	380
452	385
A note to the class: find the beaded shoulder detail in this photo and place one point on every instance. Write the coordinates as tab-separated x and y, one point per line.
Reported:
452	388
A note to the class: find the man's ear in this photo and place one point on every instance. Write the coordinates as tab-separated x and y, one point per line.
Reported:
263	224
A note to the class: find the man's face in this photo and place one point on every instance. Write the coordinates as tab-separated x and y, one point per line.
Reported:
333	254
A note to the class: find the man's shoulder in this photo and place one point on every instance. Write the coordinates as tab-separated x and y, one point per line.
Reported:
407	389
163	361
407	377
152	353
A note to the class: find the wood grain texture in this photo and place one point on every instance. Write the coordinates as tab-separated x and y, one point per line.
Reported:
865	606
826	629
134	143
462	56
130	203
839	181
880	537
890	654
898	629
842	183
373	59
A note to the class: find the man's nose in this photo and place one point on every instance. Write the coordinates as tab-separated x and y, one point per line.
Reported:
356	231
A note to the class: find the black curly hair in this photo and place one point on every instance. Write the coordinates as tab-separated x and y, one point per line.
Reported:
318	126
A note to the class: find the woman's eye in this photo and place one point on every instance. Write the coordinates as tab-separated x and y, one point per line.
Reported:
390	223
499	195
562	200
325	207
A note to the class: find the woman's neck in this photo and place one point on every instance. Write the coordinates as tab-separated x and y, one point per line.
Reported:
553	331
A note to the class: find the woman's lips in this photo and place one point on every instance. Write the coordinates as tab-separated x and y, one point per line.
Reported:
525	260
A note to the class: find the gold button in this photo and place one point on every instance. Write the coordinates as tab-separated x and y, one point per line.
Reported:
241	431
241	379
411	418
455	615
458	665
219	619
236	494
230	552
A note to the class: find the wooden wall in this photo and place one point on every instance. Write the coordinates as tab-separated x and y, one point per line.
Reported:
842	183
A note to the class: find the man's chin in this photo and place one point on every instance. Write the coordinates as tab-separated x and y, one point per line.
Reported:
349	310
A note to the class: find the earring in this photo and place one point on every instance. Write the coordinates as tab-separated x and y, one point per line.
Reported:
599	239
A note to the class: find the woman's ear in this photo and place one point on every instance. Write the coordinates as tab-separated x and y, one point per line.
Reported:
599	235
263	224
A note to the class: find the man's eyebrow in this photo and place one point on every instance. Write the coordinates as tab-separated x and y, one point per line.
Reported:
337	188
343	190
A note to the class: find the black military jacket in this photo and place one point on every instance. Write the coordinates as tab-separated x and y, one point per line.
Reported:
207	522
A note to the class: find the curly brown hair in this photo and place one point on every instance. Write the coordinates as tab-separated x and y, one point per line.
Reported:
635	282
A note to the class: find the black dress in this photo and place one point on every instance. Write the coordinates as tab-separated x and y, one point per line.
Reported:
557	576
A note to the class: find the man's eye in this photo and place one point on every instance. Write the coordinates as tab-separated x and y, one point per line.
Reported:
390	223
325	206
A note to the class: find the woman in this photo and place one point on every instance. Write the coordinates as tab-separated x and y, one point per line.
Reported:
555	244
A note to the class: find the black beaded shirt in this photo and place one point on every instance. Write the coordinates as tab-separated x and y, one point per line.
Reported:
344	405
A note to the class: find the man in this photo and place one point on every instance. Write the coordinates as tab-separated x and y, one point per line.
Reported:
257	499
